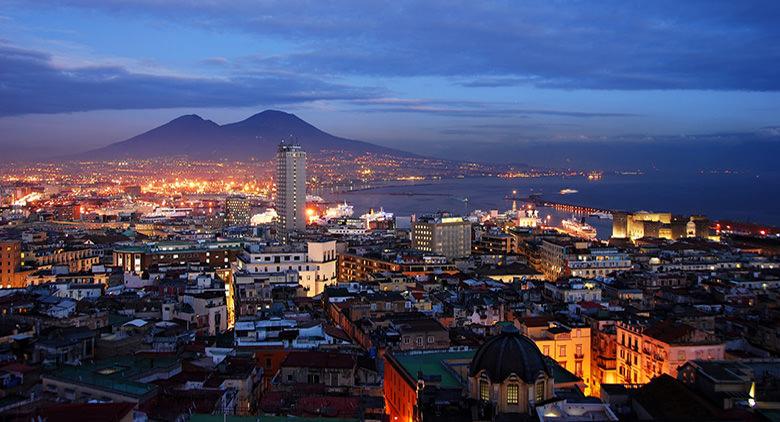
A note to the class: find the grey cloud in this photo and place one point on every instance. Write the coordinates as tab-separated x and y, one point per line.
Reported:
664	44
30	83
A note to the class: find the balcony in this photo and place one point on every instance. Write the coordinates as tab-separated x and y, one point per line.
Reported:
607	364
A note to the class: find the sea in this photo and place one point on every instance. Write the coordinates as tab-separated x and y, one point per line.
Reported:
721	196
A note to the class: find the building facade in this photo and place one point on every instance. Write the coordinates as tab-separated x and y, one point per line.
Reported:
569	346
139	258
646	352
565	257
315	265
290	189
447	236
10	264
237	210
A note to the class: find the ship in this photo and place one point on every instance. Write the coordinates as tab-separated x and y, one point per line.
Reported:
568	191
378	220
578	228
380	215
339	211
167	213
602	215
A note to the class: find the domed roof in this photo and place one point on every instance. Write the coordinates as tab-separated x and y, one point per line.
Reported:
509	353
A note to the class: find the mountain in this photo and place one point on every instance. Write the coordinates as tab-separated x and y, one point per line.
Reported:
254	138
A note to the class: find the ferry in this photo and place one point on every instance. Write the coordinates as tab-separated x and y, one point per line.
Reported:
339	211
568	191
165	213
377	220
602	215
578	228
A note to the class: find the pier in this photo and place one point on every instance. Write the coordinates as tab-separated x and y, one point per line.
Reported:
574	209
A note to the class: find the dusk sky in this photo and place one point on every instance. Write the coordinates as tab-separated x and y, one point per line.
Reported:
415	75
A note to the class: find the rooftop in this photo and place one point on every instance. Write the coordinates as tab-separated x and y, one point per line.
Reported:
434	365
118	374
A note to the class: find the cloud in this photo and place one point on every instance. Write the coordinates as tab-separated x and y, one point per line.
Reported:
31	83
476	109
495	82
614	45
216	61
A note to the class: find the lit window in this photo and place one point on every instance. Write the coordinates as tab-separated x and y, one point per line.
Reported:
484	390
539	391
512	394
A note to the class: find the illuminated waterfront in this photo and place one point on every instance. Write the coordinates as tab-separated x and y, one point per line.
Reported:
729	196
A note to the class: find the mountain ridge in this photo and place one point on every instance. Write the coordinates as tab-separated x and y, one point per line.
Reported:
255	137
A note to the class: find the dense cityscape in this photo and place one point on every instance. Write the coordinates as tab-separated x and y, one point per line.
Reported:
389	211
189	296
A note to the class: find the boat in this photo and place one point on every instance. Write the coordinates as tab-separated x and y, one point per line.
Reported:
339	211
568	191
380	215
374	220
167	213
578	228
602	215
595	175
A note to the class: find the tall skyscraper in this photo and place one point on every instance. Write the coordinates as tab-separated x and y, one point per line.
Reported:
290	189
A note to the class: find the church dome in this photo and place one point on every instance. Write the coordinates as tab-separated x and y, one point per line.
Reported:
509	353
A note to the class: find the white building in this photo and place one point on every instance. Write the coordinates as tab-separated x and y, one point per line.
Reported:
77	291
573	291
269	332
315	264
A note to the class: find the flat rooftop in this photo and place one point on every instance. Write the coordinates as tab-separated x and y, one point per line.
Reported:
117	374
433	364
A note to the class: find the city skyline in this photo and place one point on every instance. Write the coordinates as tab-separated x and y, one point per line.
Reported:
434	77
389	211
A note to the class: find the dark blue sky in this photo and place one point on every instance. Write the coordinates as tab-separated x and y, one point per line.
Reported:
423	75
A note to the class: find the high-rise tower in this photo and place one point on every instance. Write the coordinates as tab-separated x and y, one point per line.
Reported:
290	189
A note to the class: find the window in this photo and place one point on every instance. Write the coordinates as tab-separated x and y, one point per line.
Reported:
419	340
579	350
430	339
484	389
512	394
546	350
539	396
562	351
